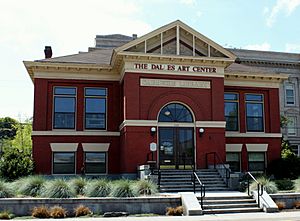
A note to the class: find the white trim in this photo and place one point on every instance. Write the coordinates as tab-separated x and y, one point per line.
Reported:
257	147
234	147
108	76
213	124
75	133
256	83
154	123
95	147
253	134
64	147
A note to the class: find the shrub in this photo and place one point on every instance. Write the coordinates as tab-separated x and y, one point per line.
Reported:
82	210
58	188
145	187
280	205
78	184
6	215
285	168
40	212
5	190
297	185
296	205
58	212
31	186
16	163
177	211
285	184
97	188
122	188
269	186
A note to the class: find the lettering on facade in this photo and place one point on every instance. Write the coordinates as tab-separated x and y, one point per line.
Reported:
173	67
174	83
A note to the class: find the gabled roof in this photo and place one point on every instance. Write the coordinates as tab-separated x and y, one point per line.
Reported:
176	38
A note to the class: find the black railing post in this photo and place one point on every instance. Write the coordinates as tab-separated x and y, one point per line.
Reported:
248	185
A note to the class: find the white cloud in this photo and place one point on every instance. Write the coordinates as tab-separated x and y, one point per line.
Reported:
188	2
292	47
288	6
259	47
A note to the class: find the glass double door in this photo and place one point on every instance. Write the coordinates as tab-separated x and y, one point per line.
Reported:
176	147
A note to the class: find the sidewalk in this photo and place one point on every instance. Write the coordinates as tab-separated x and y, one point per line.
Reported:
282	216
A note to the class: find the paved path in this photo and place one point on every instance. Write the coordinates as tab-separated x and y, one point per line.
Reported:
282	216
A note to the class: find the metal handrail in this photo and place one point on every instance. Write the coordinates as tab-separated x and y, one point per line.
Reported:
260	187
158	178
202	187
227	175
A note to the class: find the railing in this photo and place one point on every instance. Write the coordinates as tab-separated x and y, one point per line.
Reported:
260	187
158	178
227	170
202	187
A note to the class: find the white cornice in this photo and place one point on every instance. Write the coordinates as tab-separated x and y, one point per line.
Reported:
253	134
75	133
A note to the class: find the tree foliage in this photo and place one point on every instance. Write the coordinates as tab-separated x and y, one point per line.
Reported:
8	128
15	163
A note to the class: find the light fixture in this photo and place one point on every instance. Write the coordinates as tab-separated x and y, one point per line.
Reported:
152	130
201	131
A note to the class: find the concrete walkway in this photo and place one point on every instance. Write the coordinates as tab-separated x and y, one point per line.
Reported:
282	216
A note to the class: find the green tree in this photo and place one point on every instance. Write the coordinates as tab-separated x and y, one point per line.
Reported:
8	130
22	139
15	163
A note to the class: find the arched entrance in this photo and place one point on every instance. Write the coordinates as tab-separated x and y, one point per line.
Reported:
176	137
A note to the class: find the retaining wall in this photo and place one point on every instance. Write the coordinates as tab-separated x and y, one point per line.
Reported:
135	205
288	198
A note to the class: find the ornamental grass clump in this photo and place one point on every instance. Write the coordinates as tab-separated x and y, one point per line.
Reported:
145	187
40	212
97	188
122	188
58	212
6	215
58	188
31	186
285	184
297	185
82	210
78	184
269	186
5	190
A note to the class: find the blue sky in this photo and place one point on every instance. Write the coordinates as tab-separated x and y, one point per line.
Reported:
70	26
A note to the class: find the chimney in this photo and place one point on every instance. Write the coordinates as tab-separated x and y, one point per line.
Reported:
134	36
48	52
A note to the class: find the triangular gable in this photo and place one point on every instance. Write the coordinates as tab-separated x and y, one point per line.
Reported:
176	38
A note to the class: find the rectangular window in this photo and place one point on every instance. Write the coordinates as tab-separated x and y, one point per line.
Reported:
95	108
233	159
254	112
231	103
63	162
64	107
256	161
95	162
291	126
289	94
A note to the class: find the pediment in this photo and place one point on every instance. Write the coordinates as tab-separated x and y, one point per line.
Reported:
176	39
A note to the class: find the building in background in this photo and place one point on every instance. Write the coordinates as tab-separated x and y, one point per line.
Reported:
172	93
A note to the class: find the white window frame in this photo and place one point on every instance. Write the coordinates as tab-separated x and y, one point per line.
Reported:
289	129
289	87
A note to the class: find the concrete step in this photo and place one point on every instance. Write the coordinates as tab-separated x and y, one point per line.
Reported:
232	210
225	206
238	201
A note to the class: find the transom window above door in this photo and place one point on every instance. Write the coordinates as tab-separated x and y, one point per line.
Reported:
175	112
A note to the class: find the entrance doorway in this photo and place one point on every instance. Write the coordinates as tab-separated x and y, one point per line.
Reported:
176	137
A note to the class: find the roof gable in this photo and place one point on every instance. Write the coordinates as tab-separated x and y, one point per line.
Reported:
178	39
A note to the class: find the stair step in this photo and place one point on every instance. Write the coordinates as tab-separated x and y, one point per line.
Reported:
232	210
239	201
234	205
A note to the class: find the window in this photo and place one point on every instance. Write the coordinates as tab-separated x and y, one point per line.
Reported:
233	159
175	113
95	162
254	112
256	161
231	111
291	126
64	107
289	94
63	162
95	108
